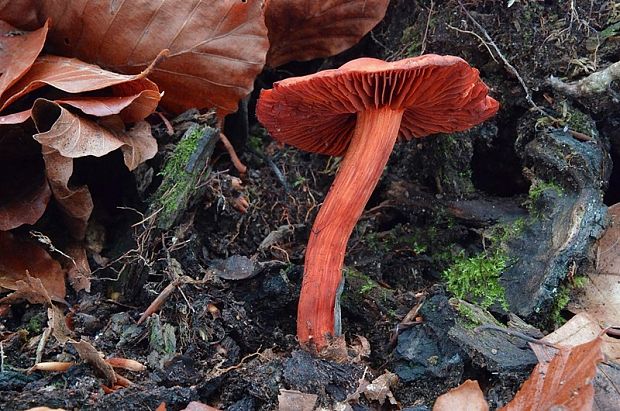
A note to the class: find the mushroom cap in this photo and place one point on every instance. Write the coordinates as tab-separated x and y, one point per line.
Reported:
317	113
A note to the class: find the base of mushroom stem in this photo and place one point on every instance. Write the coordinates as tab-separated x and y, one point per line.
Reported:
330	348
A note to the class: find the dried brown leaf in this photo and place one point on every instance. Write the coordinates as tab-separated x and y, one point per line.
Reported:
73	136
127	364
58	325
22	13
565	382
198	406
18	51
600	296
466	397
308	29
75	202
53	366
216	48
78	269
29	289
291	400
379	389
580	329
90	355
24	191
69	75
30	271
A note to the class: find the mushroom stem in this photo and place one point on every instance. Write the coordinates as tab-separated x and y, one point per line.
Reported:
368	152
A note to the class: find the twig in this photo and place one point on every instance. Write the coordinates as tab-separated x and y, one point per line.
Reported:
528	94
515	334
428	23
484	43
595	83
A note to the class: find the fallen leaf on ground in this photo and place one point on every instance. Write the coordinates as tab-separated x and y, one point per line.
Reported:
73	136
29	270
204	40
307	29
29	289
24	191
51	366
126	364
71	76
18	51
379	389
57	323
466	397
75	202
65	136
600	296
90	355
291	400
78	269
198	406
580	329
565	382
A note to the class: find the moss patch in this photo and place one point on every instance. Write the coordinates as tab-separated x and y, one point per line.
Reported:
476	278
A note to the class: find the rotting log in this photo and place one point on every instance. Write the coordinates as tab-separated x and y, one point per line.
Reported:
182	174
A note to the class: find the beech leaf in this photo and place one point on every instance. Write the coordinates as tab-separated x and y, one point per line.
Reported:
565	382
73	136
307	29
69	75
466	397
216	48
28	268
24	191
18	51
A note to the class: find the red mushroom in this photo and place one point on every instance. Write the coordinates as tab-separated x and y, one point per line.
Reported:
358	111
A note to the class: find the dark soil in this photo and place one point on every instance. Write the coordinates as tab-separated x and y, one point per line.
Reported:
231	343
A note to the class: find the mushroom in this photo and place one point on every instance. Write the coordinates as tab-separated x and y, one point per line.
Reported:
358	111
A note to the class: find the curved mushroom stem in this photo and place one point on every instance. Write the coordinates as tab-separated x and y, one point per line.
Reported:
369	150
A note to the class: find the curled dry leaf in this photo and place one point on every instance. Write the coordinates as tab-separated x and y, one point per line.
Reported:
78	269
18	51
24	192
58	324
73	136
65	136
22	13
204	39
565	382
308	29
466	397
127	364
52	366
30	271
90	355
71	76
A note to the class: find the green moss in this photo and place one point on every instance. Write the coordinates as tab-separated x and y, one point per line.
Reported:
176	185
563	297
476	278
466	313
536	191
34	326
